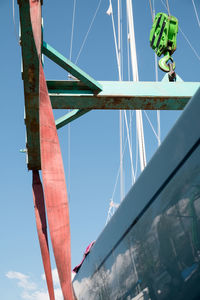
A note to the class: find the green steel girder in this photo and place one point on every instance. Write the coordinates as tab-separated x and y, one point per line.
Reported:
67	65
123	95
30	75
71	116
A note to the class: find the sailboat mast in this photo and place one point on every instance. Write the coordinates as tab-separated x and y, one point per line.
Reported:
139	121
120	112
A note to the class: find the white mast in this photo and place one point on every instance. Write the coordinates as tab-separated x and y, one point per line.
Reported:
120	112
139	121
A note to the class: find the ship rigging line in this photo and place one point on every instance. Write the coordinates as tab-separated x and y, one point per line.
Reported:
185	37
121	127
72	32
150	4
158	135
150	123
139	121
130	149
13	11
167	3
196	13
86	36
110	12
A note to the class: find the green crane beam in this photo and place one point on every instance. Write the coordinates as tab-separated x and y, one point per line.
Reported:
123	95
67	65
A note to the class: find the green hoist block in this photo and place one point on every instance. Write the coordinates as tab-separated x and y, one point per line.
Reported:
163	38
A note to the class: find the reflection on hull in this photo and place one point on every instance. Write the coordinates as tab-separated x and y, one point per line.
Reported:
154	238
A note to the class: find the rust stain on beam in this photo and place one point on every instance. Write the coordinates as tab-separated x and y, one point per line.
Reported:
31	46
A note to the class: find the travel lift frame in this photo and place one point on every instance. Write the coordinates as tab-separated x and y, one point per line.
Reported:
42	145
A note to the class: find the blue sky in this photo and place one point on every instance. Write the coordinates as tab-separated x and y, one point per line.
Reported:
94	138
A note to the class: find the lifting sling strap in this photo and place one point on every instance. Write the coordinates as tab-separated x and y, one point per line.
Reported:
40	216
55	193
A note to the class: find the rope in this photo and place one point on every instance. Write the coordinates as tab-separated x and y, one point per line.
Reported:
72	32
120	112
150	4
156	135
122	49
13	11
119	34
69	161
185	37
167	3
128	54
158	125
115	39
117	177
86	36
118	57
153	13
130	150
195	10
121	156
69	125
137	155
139	121
189	43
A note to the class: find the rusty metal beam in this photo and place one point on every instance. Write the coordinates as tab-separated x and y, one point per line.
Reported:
122	95
67	65
71	116
31	46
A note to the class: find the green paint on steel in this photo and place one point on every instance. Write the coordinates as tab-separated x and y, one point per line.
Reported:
30	75
71	116
66	64
124	95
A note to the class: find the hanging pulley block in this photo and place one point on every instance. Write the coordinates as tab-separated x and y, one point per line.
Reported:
163	39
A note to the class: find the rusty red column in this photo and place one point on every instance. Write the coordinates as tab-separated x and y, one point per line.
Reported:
55	193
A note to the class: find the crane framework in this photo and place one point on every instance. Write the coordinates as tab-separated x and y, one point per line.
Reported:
42	145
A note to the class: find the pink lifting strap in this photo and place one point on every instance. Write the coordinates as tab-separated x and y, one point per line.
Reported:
41	223
55	190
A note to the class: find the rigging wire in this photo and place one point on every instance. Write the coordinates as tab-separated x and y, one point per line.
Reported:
72	32
189	43
151	8
196	13
86	36
119	35
69	161
167	3
153	13
15	27
139	121
117	177
110	13
130	149
69	125
121	120
122	48
128	54
150	123
185	37
120	170
156	77
129	127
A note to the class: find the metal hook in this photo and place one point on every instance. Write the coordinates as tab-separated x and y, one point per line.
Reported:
163	63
